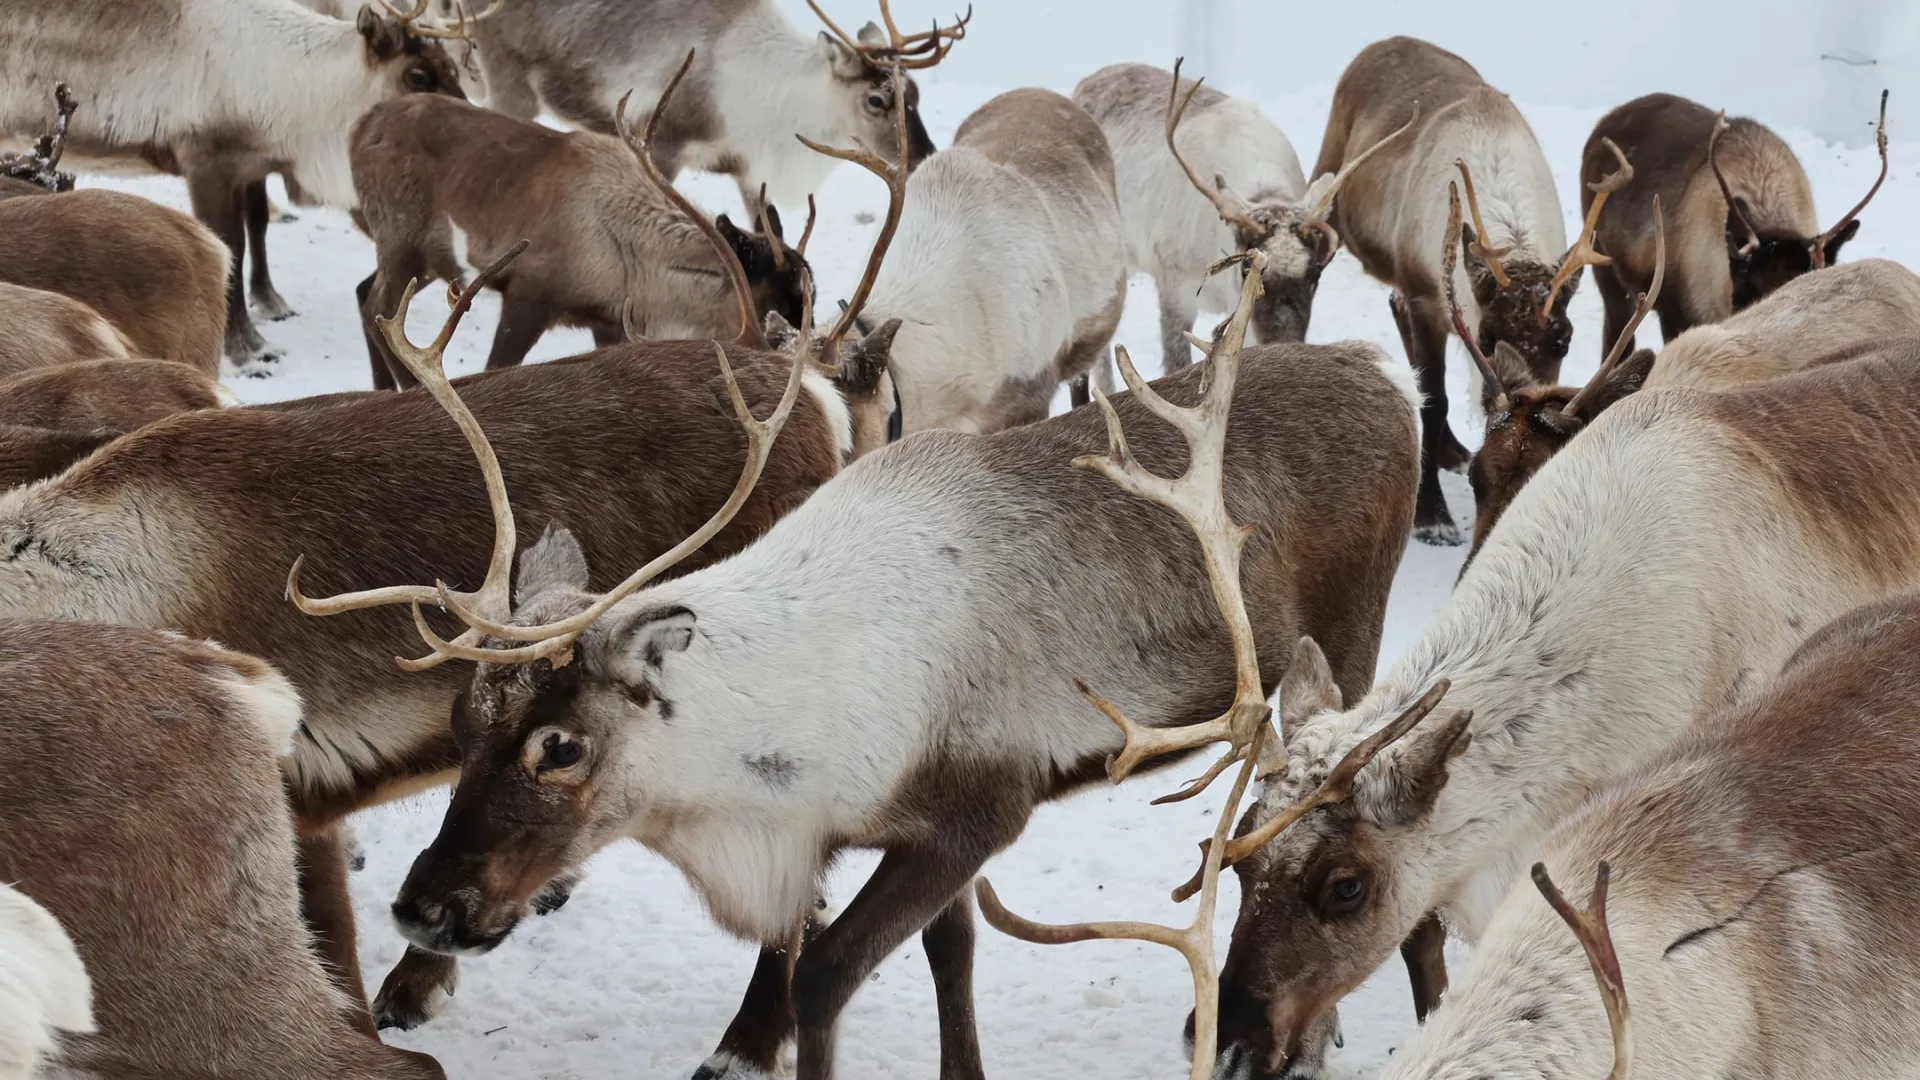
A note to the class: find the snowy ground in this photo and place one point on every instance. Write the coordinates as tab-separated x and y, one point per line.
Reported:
633	980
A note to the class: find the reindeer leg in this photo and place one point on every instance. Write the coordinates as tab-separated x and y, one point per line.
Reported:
415	990
765	1021
1618	302
218	201
948	940
1425	952
267	301
1425	332
524	317
1178	309
328	909
376	352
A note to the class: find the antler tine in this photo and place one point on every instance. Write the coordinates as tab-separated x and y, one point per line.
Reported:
813	212
1721	127
1640	311
1820	242
1596	939
428	367
1323	207
775	244
1449	258
751	334
1489	255
1336	788
406	18
64	106
895	177
1583	254
1231	211
464	22
919	50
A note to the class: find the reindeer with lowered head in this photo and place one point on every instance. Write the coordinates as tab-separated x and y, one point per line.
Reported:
1391	215
1165	144
274	88
45	329
146	809
757	82
1759	936
444	184
1659	568
1742	216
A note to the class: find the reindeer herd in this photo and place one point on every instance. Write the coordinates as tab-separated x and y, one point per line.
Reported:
790	589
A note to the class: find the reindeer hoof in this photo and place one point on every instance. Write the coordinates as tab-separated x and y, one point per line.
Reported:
415	991
725	1066
1439	534
268	304
1452	456
553	896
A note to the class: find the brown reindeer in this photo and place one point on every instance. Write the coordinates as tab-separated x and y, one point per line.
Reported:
123	394
157	275
1741	214
1392	208
1819	318
42	329
144	807
612	248
35	453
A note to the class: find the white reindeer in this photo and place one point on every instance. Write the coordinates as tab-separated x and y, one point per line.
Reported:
43	985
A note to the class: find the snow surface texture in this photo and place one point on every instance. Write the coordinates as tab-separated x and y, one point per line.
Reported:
632	979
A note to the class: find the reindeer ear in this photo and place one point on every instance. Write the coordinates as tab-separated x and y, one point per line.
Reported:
846	63
1510	368
385	39
1479	276
555	561
1846	234
1627	378
780	333
1740	242
1307	688
645	638
866	361
773	222
1418	773
871	34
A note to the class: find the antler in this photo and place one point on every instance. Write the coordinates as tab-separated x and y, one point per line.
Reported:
1640	309
1582	254
1322	208
1449	258
40	165
1720	127
1590	927
751	334
428	367
1880	138
776	244
903	51
1489	255
1231	210
1198	496
414	21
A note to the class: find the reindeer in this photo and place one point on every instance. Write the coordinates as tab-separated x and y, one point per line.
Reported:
279	86
1754	937
35	453
157	276
759	80
1012	267
45	329
1175	236
1659	568
214	974
1390	216
445	183
1823	317
1743	220
44	988
123	394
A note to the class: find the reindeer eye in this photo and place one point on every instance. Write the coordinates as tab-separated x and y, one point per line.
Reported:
877	102
559	752
417	79
1345	895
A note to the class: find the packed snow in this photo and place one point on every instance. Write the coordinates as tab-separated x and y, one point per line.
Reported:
632	979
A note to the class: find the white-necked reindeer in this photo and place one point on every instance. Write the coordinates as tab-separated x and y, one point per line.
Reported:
1756	913
43	985
272	86
1010	269
758	81
1659	568
1201	174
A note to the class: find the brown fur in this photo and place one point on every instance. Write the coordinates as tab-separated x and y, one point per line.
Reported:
1396	242
1666	138
185	909
605	243
35	453
154	273
40	328
13	188
123	394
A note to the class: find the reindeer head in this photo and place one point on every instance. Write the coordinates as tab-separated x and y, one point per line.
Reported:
778	275
863	68
412	49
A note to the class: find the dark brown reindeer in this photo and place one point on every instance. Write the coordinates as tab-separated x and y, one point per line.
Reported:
1518	271
1742	216
144	807
123	394
615	247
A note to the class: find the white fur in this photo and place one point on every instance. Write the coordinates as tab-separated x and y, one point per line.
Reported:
44	988
288	79
834	404
271	701
63	558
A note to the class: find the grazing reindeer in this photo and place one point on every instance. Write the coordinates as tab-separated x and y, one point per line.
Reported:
614	246
44	988
156	275
1177	223
1743	221
276	91
1011	271
1658	569
1757	936
1819	318
187	911
123	394
45	329
759	80
1393	206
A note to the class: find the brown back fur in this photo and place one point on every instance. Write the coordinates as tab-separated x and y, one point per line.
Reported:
124	394
152	272
35	453
40	328
155	756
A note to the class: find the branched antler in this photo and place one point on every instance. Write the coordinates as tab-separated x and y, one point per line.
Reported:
1449	258
1739	208
1641	308
1231	210
1590	927
1489	255
1583	254
910	52
1819	246
1321	211
40	165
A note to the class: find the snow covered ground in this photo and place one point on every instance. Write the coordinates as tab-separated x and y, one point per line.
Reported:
633	980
